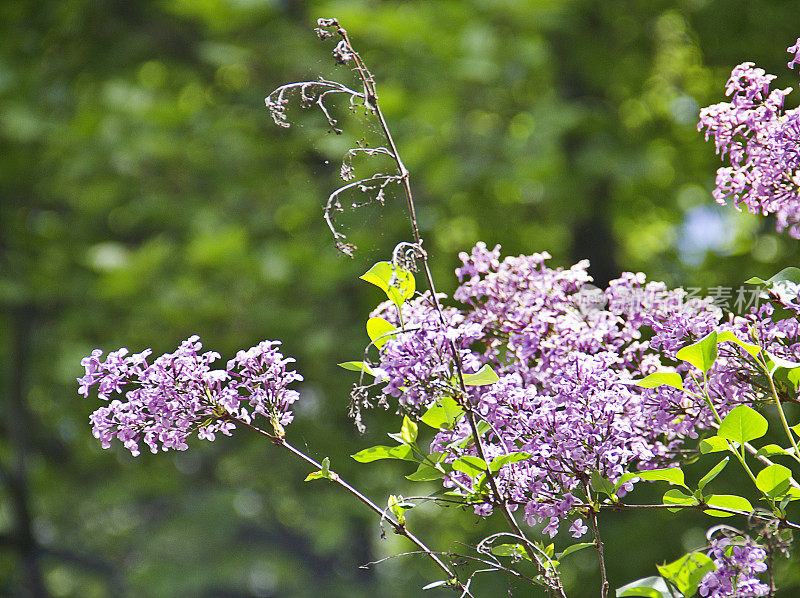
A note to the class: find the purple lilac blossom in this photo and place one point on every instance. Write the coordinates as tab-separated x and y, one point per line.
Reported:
162	403
762	143
577	529
418	362
795	50
736	566
565	394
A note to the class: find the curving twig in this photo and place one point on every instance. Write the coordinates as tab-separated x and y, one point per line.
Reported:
346	171
311	93
377	183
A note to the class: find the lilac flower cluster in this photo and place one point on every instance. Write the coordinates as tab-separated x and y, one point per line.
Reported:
162	403
762	143
565	394
418	364
736	566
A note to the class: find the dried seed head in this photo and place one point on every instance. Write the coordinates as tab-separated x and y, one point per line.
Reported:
342	52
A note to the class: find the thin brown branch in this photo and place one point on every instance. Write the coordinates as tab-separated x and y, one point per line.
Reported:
398	527
598	544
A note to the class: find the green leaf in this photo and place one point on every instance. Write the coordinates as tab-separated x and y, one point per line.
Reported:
483	427
549	549
743	424
715	471
776	285
324	473
499	462
727	335
793	376
728	501
657	379
673	475
687	572
713	444
374	453
574	548
408	431
425	473
623	478
357	366
774	480
442	414
480	485
676	497
773	450
379	331
791	274
755	280
472	466
398	506
775	363
398	283
601	484
701	354
483	377
647	587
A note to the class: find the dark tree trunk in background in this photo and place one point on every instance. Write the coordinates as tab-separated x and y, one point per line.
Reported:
18	426
592	238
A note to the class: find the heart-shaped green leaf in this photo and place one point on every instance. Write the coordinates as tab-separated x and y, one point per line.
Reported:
357	366
673	475
713	444
727	335
425	473
442	414
727	501
743	424
398	283
498	462
701	354
379	331
657	379
774	480
375	453
601	484
472	466
687	572
483	377
676	497
773	450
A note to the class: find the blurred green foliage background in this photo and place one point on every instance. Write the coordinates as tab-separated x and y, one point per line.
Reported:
145	195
